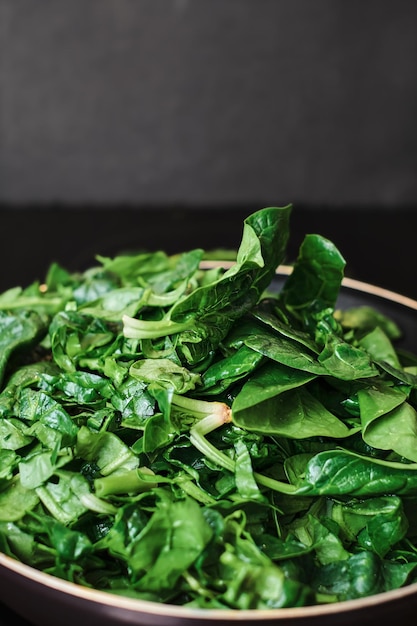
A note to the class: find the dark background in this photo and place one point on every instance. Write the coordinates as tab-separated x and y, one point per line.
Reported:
132	124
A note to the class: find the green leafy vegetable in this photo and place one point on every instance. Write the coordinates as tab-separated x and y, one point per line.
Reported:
197	437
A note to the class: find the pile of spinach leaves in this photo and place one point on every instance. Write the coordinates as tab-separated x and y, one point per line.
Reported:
191	436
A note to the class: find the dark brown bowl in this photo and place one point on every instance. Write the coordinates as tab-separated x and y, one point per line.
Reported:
44	600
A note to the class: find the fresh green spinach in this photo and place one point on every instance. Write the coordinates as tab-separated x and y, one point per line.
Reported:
193	436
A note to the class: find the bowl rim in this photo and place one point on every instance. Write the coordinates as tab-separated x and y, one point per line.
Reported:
151	608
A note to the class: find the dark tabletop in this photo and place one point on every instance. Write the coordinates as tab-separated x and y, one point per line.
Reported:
379	245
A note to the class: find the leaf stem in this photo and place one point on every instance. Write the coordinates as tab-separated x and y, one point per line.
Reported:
219	412
198	439
147	329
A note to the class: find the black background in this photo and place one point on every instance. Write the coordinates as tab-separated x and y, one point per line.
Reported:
207	103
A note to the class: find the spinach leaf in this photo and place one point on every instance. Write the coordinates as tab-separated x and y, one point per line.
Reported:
203	318
314	284
340	472
275	401
18	331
